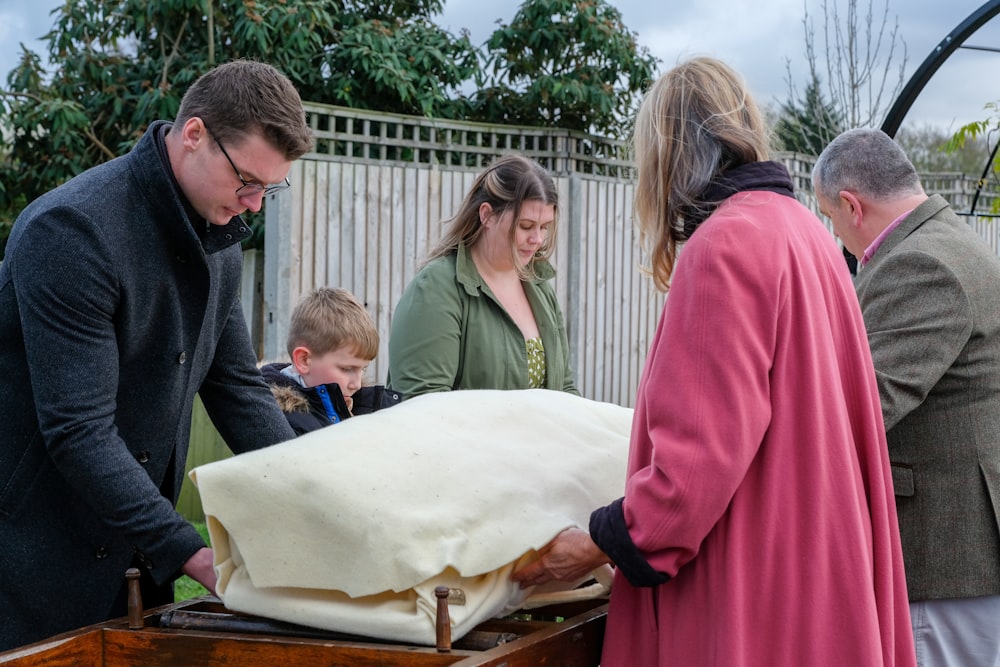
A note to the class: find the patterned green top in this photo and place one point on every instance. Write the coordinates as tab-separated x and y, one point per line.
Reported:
536	363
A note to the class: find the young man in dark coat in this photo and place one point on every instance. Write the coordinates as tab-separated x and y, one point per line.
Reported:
118	303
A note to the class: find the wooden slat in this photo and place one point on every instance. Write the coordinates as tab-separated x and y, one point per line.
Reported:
320	226
334	227
618	378
361	224
295	236
589	263
281	285
577	642
389	246
76	650
165	648
570	635
560	258
348	225
306	251
604	344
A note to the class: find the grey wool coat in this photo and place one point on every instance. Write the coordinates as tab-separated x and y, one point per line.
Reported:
930	298
117	305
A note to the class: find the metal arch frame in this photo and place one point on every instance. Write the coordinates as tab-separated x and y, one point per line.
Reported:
945	48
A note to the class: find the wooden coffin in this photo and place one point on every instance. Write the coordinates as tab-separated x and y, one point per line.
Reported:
202	632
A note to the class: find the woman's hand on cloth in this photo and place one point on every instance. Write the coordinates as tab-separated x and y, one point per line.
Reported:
570	556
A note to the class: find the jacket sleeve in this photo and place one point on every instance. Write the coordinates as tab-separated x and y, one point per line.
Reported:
373	398
919	319
235	395
610	532
705	400
425	342
67	296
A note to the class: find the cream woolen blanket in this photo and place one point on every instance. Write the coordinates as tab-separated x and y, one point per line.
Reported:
351	528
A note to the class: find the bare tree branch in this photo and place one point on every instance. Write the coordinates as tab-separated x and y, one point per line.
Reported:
30	96
860	81
169	58
97	142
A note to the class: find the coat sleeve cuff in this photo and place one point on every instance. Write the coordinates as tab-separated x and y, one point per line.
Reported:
167	566
610	533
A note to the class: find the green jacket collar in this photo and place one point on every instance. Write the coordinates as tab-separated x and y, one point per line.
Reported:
468	275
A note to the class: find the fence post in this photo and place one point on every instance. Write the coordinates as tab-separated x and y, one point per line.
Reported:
573	225
276	307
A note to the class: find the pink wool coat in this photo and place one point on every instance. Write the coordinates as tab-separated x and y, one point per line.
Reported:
758	476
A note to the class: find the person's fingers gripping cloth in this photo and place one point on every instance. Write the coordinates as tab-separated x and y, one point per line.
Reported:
350	528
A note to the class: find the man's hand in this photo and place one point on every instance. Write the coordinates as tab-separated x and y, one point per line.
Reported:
570	556
200	568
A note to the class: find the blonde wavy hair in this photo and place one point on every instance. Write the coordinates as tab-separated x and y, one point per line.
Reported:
695	122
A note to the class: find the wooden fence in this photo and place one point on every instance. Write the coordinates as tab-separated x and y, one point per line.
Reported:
366	206
369	203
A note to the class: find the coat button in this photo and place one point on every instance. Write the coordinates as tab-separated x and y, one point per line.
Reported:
182	357
102	552
143	456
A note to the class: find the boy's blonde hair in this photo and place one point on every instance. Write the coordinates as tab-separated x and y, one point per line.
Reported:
328	318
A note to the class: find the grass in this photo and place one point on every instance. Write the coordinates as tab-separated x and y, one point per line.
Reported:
186	588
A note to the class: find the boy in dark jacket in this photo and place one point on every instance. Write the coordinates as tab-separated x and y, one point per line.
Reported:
331	341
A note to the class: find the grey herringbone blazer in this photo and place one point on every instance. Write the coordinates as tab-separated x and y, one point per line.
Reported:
931	303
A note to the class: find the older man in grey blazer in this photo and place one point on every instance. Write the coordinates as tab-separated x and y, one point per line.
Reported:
929	289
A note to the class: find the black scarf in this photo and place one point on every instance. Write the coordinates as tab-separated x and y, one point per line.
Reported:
769	176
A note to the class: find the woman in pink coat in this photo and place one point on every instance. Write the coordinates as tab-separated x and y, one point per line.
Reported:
758	525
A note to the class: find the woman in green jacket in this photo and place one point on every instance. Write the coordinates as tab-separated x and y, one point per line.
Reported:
481	313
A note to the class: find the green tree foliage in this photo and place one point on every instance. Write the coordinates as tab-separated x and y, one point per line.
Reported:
119	64
564	63
985	133
808	124
392	57
932	151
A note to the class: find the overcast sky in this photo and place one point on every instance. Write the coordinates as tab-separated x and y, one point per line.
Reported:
756	38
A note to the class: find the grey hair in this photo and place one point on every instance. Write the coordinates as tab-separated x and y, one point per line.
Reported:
868	162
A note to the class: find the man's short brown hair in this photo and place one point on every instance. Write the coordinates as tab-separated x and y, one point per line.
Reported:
246	97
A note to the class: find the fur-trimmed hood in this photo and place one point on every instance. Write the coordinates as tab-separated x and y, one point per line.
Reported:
306	411
290	396
290	399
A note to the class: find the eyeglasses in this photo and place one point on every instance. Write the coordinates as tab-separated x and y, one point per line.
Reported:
249	189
